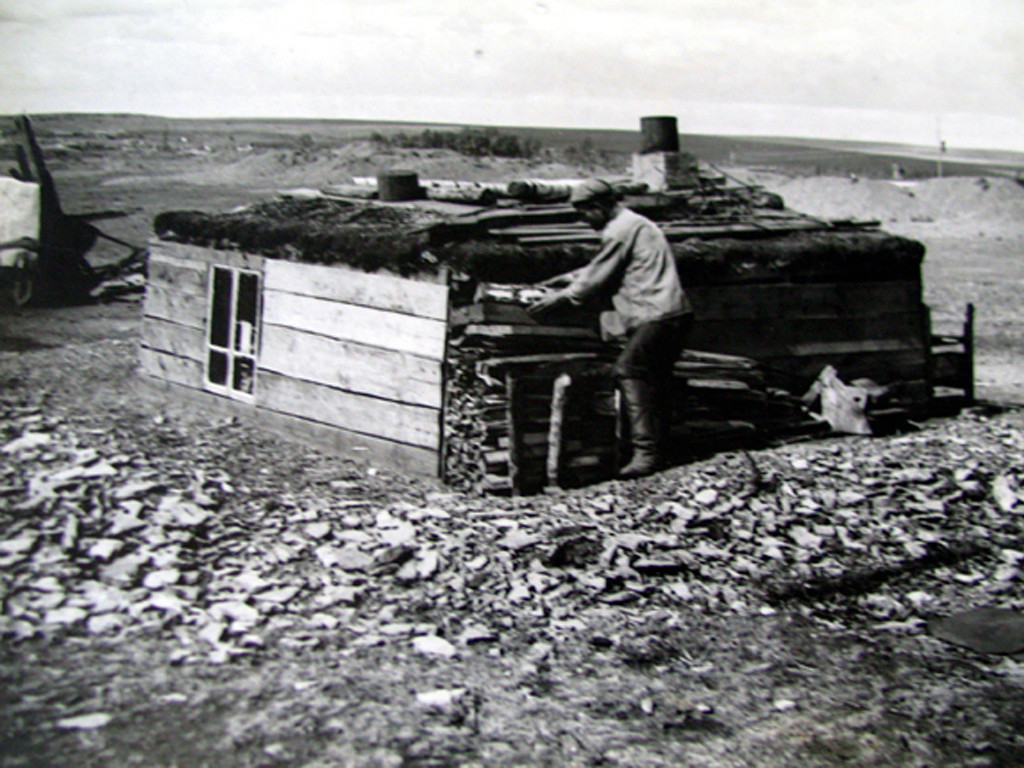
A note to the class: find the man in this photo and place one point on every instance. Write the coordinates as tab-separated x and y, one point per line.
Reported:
636	268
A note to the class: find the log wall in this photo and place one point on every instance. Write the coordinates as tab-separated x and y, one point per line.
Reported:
347	360
878	330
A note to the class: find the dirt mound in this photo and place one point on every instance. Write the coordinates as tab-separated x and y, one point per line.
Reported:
969	203
839	198
993	200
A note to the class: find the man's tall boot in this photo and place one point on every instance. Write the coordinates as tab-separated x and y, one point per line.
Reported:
638	402
664	417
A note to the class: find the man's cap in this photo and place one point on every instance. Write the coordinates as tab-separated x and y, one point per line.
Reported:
591	191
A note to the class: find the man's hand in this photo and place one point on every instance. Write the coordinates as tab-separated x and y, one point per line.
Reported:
547	303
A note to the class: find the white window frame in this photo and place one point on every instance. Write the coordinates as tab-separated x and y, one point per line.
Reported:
243	339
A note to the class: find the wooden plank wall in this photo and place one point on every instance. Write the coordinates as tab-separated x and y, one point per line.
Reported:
357	352
174	321
347	359
876	329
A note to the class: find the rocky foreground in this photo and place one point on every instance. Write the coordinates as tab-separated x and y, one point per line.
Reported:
176	579
202	533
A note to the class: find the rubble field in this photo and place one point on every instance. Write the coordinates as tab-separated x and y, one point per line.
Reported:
180	589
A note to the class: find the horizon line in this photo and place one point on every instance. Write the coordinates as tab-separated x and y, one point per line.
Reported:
947	152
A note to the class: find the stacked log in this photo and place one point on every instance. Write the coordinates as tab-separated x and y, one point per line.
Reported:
499	380
710	409
467	195
518	424
475	424
540	191
584	445
351	191
515	425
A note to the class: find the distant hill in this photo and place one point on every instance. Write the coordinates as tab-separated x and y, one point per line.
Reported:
790	156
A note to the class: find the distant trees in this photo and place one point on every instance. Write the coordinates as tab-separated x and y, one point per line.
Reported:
584	151
475	142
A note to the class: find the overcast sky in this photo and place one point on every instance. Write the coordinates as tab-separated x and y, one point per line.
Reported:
901	70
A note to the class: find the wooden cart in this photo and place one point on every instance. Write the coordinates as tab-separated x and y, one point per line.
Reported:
42	248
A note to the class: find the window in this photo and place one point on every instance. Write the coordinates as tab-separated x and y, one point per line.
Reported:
233	342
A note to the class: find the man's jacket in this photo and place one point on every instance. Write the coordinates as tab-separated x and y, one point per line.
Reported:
636	268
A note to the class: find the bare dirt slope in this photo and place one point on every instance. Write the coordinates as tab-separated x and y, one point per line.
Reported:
181	590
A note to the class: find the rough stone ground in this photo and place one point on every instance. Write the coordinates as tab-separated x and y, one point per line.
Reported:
181	590
633	624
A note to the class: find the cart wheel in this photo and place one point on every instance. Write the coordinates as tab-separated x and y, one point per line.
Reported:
22	287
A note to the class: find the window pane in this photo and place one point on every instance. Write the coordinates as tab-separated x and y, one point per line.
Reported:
248	297
220	309
244	377
218	369
245	337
